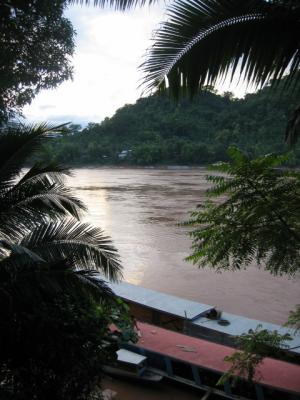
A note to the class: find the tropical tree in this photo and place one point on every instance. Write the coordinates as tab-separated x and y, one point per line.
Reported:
36	43
252	215
50	292
253	347
39	215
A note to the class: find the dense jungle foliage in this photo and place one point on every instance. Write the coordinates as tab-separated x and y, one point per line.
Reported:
157	131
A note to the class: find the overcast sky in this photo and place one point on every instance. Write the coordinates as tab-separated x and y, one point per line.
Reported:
110	46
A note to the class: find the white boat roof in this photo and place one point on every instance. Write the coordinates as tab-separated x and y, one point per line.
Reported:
239	324
161	302
130	357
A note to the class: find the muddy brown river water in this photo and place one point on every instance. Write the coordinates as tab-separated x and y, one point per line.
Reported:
140	209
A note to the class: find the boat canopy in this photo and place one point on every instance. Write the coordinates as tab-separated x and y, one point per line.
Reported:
271	373
161	302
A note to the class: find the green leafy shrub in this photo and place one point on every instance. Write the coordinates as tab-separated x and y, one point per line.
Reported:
252	214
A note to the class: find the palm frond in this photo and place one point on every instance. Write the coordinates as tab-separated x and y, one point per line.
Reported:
94	283
17	144
202	42
41	198
39	194
116	4
57	201
39	170
27	205
85	246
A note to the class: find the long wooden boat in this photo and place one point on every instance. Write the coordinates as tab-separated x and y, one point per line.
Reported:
193	318
200	363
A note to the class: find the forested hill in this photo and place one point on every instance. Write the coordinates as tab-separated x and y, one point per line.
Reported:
157	131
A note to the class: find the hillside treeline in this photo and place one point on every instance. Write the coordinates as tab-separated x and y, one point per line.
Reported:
158	131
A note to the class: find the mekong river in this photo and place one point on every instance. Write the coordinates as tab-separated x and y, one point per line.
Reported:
140	210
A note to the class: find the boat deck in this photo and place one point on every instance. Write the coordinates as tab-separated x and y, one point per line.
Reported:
273	373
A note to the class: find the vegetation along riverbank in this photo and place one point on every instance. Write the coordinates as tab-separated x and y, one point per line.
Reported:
157	131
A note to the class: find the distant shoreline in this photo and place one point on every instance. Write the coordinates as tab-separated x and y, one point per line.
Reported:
154	167
166	167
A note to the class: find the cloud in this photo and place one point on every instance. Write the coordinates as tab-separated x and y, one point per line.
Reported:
109	48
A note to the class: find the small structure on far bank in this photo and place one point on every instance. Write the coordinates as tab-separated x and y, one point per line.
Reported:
124	154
